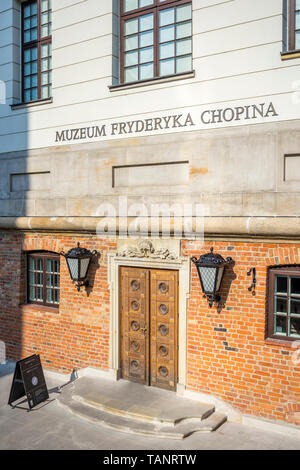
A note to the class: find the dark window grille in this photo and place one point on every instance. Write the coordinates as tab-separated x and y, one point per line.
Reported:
284	303
36	50
43	278
156	39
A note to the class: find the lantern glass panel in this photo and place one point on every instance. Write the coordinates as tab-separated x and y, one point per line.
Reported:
220	275
73	264
84	267
208	277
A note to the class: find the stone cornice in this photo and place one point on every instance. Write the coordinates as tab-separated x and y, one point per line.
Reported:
243	227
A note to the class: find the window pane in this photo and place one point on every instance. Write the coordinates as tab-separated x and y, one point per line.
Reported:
167	67
166	17
280	305
27	24
281	284
32	278
131	75
131	58
44	50
27	82
27	96
146	71
183	13
49	282
146	39
33	8
45	31
45	78
280	325
295	285
45	92
295	327
34	53
130	5
297	4
44	18
34	81
184	47
34	34
146	22
49	265
131	27
44	5
297	20
44	65
27	11
295	307
34	94
34	67
167	34
32	293
131	43
184	30
297	40
184	64
27	36
27	55
167	50
145	3
49	296
146	55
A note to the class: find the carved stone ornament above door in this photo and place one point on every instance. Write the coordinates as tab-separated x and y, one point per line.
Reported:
146	249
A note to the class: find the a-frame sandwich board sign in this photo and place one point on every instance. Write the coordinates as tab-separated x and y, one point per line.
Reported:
29	380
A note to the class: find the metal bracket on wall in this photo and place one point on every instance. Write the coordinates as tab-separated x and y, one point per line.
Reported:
253	285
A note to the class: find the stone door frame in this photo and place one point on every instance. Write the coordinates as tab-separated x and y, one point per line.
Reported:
180	264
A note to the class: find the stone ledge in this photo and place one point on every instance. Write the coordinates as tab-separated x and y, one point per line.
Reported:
250	227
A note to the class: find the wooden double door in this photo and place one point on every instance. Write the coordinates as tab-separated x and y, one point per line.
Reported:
149	319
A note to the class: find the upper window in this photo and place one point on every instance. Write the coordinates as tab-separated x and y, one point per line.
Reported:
294	26
156	39
37	53
284	303
43	278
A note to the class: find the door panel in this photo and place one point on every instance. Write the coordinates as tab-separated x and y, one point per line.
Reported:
149	304
163	313
134	324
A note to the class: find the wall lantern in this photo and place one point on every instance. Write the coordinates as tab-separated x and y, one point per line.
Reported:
211	269
78	261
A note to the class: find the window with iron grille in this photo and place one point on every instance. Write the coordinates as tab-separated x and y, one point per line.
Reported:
284	303
156	39
36	50
294	25
43	278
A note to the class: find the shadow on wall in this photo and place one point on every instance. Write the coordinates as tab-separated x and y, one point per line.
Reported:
15	184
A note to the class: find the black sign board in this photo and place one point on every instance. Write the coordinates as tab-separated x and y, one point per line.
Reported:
29	380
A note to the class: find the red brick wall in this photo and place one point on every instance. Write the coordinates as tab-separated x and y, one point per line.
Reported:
76	335
239	365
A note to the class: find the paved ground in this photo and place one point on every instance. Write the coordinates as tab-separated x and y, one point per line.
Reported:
50	427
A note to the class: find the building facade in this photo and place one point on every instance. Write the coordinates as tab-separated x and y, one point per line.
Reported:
152	131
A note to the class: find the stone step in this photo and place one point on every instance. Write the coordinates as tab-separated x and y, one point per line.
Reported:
172	424
129	425
170	416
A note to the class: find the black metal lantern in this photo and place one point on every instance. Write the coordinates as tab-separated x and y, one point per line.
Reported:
78	261
211	269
